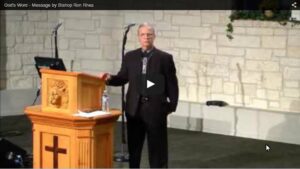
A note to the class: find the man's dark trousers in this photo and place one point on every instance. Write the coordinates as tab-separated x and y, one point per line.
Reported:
139	127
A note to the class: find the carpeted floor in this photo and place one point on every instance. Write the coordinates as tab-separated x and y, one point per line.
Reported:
187	149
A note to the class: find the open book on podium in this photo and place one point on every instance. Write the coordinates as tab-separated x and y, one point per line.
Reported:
62	139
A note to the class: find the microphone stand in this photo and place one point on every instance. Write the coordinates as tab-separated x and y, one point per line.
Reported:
56	57
55	43
123	156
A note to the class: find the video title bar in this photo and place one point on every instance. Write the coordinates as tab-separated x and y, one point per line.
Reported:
147	5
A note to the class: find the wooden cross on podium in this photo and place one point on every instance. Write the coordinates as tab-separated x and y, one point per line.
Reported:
55	151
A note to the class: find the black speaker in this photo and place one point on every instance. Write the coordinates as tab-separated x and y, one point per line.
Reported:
11	155
219	103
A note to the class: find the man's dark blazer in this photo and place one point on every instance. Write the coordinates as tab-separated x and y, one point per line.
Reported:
160	62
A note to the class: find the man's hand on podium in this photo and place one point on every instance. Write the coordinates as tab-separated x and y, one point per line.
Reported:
104	76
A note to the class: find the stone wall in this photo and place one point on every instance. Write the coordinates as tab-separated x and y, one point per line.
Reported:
259	68
24	34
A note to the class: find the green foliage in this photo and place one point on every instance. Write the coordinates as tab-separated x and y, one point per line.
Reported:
229	31
281	16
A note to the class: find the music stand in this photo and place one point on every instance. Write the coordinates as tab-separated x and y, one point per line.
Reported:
49	62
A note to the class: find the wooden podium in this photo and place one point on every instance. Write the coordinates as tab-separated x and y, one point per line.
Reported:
62	140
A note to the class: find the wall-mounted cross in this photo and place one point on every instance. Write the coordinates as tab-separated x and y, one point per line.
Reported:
55	151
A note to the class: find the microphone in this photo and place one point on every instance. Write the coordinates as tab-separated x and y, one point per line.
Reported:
130	25
56	27
72	64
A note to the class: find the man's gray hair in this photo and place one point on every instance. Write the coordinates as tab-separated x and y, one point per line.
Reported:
145	24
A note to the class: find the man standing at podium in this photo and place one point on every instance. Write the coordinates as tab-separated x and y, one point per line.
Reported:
152	95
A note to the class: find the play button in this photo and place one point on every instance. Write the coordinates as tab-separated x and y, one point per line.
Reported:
149	84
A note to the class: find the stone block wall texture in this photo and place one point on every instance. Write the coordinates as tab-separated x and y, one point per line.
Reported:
259	68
